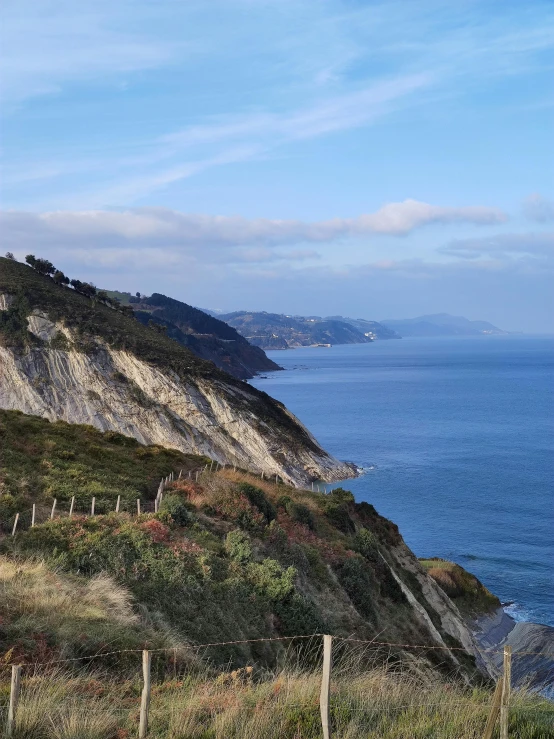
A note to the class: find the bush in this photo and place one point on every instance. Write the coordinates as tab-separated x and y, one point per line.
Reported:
259	500
174	506
301	514
271	580
238	547
359	582
366	544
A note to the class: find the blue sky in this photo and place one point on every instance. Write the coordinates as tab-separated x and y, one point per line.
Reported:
375	159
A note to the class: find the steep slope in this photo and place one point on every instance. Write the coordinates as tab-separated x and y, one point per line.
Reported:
276	331
304	562
206	336
70	357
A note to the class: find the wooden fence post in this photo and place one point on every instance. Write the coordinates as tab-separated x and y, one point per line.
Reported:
14	698
506	690
92	506
145	699
138	506
71	506
495	710
118	504
15	524
33	515
53	508
325	685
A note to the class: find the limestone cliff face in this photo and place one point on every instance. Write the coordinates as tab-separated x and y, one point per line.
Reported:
426	598
115	390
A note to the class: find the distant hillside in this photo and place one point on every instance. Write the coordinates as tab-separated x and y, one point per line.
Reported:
373	329
278	331
206	336
441	324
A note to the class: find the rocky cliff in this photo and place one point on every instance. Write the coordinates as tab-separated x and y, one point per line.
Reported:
66	356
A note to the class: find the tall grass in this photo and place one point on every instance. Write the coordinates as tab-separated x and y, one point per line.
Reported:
381	703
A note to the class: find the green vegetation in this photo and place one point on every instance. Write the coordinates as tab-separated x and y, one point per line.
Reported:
40	461
227	558
467	592
216	545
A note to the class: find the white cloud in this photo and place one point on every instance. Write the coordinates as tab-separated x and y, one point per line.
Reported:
171	230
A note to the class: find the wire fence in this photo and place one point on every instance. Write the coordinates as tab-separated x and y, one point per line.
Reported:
26	674
204	698
101	505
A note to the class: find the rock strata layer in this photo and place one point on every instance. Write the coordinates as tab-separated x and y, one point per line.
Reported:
116	390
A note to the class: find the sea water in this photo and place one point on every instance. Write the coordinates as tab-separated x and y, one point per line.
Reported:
456	438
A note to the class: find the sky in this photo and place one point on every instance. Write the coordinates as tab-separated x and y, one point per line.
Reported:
322	157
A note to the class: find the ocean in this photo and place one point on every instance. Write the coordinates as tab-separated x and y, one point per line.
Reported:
456	438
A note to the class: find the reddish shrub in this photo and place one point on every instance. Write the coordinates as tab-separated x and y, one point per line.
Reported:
158	532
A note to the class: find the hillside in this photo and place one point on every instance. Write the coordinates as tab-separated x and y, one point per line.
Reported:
206	336
276	331
66	355
373	329
232	561
306	562
441	324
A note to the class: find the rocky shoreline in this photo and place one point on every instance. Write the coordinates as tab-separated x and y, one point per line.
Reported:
536	671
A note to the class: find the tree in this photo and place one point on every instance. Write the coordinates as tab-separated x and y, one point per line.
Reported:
159	327
42	266
60	278
9	255
137	295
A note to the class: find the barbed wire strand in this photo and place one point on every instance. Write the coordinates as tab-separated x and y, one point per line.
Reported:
207	645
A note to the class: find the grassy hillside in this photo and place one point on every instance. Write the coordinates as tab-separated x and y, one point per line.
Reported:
228	558
57	615
467	592
40	461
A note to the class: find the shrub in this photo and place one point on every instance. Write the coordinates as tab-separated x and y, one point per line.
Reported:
259	500
237	546
366	544
174	506
301	514
359	582
271	580
340	495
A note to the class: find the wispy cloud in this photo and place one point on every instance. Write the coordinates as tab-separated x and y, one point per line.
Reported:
244	239
503	246
46	46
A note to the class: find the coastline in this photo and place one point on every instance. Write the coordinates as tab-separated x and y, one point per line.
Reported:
532	649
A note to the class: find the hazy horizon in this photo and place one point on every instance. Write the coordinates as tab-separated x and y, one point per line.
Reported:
345	157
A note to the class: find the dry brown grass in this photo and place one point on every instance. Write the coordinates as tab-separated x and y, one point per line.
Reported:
379	703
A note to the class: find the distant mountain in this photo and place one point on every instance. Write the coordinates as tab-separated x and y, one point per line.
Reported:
372	329
206	336
279	331
441	324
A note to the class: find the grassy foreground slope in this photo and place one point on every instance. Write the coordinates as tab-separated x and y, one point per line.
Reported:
192	700
230	557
